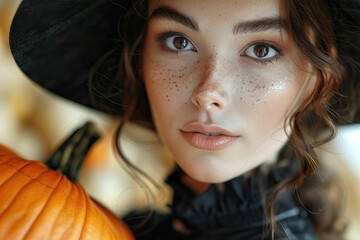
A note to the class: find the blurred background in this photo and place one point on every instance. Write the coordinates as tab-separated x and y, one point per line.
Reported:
34	122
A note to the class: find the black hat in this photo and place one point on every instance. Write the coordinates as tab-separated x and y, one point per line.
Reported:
56	43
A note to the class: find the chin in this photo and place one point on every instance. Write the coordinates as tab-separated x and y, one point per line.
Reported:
213	179
209	174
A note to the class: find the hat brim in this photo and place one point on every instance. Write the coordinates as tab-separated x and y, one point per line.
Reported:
56	43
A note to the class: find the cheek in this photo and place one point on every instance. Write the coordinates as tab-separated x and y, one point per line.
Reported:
169	83
267	96
261	87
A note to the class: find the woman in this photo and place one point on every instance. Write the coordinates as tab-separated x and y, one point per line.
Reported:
237	91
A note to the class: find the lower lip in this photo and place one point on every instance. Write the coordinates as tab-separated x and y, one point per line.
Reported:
211	143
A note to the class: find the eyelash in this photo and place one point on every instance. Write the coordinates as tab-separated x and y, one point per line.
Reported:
163	37
265	60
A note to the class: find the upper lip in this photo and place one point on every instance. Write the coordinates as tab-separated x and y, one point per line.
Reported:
207	128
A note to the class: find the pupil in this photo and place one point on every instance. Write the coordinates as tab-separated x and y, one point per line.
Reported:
261	50
180	43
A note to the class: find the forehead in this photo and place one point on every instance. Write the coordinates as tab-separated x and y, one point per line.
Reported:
229	10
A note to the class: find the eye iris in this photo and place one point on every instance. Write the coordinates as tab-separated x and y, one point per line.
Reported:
180	43
261	50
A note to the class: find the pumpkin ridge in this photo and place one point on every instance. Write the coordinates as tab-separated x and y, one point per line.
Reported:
93	208
86	214
19	170
104	213
102	228
8	207
20	190
28	163
60	189
14	197
69	197
43	207
103	223
16	170
104	217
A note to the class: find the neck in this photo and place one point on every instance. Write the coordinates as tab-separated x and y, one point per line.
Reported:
200	187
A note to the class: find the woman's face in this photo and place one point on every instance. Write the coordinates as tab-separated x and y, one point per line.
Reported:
221	77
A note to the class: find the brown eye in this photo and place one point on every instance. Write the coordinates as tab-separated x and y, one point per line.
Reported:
178	43
261	51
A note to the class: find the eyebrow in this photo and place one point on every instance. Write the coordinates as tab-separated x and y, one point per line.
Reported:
258	25
172	14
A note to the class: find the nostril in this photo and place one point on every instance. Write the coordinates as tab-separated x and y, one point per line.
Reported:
208	101
216	104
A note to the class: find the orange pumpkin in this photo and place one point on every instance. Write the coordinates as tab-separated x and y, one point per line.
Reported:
39	203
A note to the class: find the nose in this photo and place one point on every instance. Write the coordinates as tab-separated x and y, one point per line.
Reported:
210	94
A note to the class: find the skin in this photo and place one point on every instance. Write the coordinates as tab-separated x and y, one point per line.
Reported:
216	79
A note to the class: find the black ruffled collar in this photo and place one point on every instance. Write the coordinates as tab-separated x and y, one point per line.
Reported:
239	212
214	210
240	209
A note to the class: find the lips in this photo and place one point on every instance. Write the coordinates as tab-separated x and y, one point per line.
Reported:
208	137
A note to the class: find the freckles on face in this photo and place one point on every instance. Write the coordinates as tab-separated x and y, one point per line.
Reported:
262	92
267	98
259	87
203	78
172	79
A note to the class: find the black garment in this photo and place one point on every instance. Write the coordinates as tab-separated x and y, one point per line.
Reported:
237	213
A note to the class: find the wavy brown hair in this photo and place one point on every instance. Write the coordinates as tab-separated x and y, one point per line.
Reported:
321	30
325	32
